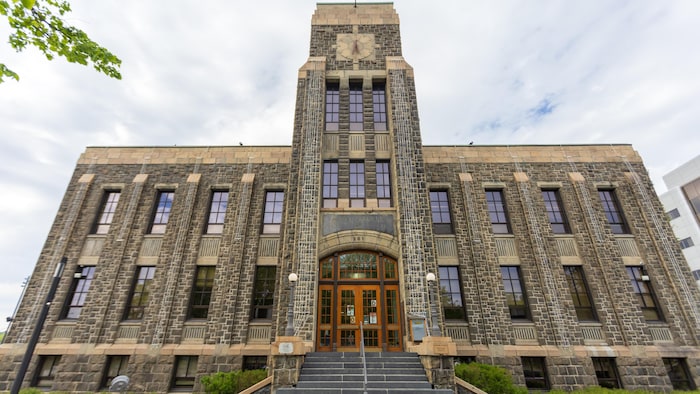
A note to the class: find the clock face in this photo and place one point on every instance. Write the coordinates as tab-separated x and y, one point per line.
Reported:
355	47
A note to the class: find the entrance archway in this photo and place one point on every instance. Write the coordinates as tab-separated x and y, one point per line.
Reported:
358	287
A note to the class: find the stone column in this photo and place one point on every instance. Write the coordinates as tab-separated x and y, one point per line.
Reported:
287	357
437	356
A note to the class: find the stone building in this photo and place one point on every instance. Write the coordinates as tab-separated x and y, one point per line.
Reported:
555	262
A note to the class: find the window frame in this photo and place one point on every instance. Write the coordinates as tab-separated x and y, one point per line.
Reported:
606	366
579	290
383	175
379	105
253	362
644	292
535	365
451	287
184	382
554	207
686	243
201	293
330	184
122	365
217	212
78	292
498	211
45	381
106	212
356	184
440	212
673	214
512	303
273	212
356	109
684	382
144	277
613	211
162	210
263	282
332	112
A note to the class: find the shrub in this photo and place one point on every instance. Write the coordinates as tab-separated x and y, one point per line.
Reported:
492	379
232	382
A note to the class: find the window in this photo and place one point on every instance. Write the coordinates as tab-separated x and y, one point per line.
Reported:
201	292
115	366
440	208
612	212
356	120
217	212
692	195
254	362
497	212
330	184
185	372
535	373
272	217
672	214
79	290
686	243
379	105
107	209
46	371
677	371
516	299
696	274
143	285
357	184
332	106
162	212
263	292
645	294
451	294
579	293
606	372
555	212
383	184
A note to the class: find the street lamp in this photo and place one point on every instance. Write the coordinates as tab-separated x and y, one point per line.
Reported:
289	331
432	300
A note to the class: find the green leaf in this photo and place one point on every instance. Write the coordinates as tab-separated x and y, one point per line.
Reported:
28	3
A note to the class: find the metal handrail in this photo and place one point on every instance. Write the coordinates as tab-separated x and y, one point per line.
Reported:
364	361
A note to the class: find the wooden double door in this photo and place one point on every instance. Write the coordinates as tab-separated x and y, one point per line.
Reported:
352	298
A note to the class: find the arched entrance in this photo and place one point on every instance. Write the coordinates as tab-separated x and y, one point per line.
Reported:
355	287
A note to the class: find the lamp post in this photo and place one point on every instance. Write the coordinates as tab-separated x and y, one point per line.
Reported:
432	300
289	331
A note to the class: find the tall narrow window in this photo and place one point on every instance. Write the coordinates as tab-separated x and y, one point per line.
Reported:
497	211
440	209
115	366
579	293
606	372
330	184
613	213
332	106
78	294
201	292
555	212
263	292
357	184
515	293
535	373
162	211
217	211
356	108
383	184
677	371
686	243
184	373
143	286
645	293
46	371
107	209
272	217
379	105
451	293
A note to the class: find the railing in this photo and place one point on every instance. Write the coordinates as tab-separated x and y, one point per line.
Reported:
364	361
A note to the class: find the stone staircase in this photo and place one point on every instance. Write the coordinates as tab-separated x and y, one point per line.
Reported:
387	372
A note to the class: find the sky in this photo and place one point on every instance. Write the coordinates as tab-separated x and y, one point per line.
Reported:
222	72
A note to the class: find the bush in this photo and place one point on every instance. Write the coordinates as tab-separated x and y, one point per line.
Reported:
232	382
492	379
